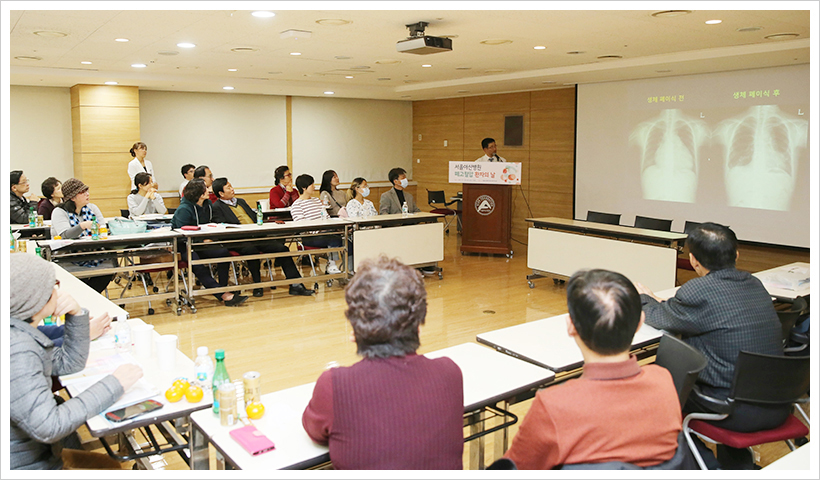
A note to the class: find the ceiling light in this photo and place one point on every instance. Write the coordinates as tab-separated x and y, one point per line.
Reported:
110	83
426	66
27	57
495	41
781	36
713	22
120	39
329	93
228	87
671	13
86	63
263	14
185	45
231	69
333	22
139	65
295	54
539	47
50	33
348	76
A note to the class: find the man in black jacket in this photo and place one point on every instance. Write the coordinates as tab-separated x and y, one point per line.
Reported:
19	205
230	209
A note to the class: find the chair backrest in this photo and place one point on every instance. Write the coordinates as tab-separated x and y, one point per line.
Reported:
502	463
265	203
124	212
608	218
770	379
689	226
684	363
681	460
171	211
788	318
435	196
653	223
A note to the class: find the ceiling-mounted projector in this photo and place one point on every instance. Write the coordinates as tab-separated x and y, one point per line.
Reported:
422	44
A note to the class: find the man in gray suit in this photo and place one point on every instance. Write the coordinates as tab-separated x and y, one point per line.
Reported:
392	200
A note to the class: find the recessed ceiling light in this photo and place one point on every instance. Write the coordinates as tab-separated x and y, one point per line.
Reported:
671	13
263	14
139	65
50	33
185	45
713	22
27	57
120	39
388	62
227	87
348	76
86	63
295	54
495	41
244	49
110	83
426	66
539	47
231	69
749	29
329	93
333	22
781	36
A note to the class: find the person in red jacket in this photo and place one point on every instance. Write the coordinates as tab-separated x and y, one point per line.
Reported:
283	193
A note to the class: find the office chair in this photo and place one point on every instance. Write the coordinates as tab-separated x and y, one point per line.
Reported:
762	380
684	363
437	196
125	213
788	318
608	218
683	262
653	223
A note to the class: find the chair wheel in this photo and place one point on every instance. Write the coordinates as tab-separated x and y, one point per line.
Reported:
150	311
156	289
316	287
532	285
117	280
129	287
168	302
801	441
329	283
179	311
193	309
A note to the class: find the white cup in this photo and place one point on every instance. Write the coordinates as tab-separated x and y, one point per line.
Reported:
166	348
143	338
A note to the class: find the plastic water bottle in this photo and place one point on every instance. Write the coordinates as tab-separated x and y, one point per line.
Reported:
404	210
325	206
32	217
220	376
13	241
122	336
259	217
204	367
95	228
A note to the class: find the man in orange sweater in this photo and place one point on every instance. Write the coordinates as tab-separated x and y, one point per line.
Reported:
617	411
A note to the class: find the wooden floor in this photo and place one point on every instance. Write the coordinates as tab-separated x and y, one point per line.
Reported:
291	340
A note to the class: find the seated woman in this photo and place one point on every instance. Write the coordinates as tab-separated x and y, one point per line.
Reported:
194	209
282	195
39	423
357	204
330	194
308	207
52	195
73	218
394	409
144	199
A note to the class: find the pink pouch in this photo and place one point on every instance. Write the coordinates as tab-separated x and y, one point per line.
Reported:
254	441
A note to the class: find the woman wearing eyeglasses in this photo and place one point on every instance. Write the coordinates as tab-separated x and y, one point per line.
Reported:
283	193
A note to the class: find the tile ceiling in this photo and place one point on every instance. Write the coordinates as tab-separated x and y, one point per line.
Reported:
365	48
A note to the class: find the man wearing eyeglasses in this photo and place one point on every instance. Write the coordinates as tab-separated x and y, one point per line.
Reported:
205	174
19	204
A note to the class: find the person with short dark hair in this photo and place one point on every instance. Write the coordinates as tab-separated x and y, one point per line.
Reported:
720	313
52	195
140	164
204	173
394	409
235	210
187	175
282	195
144	198
195	209
617	411
330	194
308	207
490	149
392	200
20	207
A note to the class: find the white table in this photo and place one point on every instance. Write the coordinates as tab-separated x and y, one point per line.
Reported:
489	378
417	239
799	459
787	282
547	344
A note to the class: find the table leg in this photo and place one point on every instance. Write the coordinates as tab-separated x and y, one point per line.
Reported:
501	437
477	445
199	448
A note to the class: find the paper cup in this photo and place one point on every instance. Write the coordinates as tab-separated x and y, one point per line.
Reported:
143	338
166	348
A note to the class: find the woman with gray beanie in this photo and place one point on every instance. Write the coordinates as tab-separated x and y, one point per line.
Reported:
38	421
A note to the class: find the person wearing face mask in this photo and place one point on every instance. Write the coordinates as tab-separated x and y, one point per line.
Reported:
330	194
392	200
357	204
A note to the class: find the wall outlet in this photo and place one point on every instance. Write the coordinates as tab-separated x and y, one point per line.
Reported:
445	143
419	137
418	160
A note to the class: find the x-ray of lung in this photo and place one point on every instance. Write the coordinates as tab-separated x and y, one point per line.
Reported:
669	147
761	149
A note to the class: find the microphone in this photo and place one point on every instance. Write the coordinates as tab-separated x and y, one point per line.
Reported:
495	155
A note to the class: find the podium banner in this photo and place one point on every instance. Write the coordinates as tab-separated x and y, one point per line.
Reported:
493	173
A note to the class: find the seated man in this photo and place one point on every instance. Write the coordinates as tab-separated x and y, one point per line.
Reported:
19	205
392	200
720	313
617	411
204	173
394	409
187	171
231	209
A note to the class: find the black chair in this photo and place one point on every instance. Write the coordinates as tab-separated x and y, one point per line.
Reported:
762	381
608	218
682	460
683	262
653	223
172	210
124	212
788	318
437	196
502	463
684	363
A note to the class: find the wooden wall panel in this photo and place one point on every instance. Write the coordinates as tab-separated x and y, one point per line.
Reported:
435	129
505	102
551	172
553	99
105	96
449	106
553	129
105	173
104	129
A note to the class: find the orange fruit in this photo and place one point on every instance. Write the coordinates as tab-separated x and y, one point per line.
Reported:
255	410
182	383
173	394
193	394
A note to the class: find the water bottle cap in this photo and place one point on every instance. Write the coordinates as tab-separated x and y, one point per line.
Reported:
202	351
219	354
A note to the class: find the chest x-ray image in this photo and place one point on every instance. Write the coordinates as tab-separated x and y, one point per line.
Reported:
761	154
669	147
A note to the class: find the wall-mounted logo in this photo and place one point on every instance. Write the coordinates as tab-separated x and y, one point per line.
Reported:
484	205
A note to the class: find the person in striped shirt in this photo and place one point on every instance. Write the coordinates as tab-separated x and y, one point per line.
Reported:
308	207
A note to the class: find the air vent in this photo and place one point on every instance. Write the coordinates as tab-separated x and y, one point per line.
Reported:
244	49
28	57
781	36
749	29
671	13
609	57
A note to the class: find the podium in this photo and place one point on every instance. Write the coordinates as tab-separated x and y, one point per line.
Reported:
486	211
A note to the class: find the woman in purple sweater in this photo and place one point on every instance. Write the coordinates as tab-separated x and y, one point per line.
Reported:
394	409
